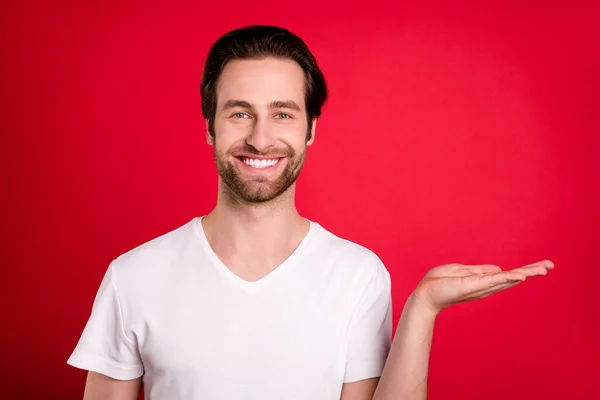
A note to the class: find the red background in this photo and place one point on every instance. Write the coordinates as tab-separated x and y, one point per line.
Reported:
455	132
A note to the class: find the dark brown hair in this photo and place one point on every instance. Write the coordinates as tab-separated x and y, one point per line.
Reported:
256	42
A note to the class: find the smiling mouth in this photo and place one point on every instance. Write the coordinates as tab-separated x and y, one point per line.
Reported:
260	163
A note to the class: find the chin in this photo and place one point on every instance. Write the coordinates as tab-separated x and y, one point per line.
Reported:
259	195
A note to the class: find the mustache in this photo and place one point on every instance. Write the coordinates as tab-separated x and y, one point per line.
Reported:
275	153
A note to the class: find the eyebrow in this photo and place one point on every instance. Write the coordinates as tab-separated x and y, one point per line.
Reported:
237	104
289	104
285	104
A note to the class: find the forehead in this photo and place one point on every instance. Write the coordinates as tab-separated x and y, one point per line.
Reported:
261	81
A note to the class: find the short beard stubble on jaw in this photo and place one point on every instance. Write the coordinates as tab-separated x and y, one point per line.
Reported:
258	190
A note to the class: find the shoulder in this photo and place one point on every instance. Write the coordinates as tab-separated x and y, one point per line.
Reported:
152	256
350	257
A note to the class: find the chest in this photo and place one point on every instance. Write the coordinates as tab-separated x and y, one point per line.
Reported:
218	338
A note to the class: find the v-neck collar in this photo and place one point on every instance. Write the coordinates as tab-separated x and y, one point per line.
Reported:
250	286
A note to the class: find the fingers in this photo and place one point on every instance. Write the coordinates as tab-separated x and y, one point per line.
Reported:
501	278
540	268
496	282
483	269
545	263
536	269
488	279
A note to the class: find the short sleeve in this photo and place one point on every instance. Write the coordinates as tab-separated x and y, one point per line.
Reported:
370	333
104	346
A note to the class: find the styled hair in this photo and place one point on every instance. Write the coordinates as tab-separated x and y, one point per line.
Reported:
257	42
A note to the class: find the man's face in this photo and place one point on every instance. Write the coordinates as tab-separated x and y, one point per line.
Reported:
260	127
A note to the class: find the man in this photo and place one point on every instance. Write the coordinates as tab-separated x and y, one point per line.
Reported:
253	301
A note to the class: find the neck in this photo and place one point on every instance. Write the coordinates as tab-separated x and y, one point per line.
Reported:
236	226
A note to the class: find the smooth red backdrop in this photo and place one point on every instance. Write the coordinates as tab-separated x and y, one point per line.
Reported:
455	132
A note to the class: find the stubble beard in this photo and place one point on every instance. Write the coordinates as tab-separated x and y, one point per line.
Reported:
255	190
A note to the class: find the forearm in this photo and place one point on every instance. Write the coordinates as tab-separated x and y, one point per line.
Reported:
405	374
101	387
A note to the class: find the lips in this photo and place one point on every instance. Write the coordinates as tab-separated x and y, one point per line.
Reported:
259	162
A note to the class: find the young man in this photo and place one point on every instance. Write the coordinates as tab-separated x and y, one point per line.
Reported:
253	301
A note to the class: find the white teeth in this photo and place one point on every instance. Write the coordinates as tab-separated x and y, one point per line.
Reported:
260	163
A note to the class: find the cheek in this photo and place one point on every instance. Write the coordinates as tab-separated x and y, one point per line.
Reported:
291	131
233	131
227	134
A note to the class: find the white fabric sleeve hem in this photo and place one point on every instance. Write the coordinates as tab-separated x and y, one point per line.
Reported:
361	371
91	362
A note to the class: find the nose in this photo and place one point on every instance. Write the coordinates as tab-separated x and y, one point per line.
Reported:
259	137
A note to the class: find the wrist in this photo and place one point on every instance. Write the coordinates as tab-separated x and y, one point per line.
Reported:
418	304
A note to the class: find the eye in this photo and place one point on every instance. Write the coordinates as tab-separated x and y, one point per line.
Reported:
283	116
240	115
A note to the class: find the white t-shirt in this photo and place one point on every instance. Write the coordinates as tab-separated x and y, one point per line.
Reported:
171	311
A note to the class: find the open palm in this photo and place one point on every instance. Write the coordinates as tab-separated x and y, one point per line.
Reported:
450	284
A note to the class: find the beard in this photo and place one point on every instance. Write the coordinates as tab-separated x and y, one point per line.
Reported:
258	189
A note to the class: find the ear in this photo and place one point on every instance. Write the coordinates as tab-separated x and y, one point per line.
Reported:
209	139
313	129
